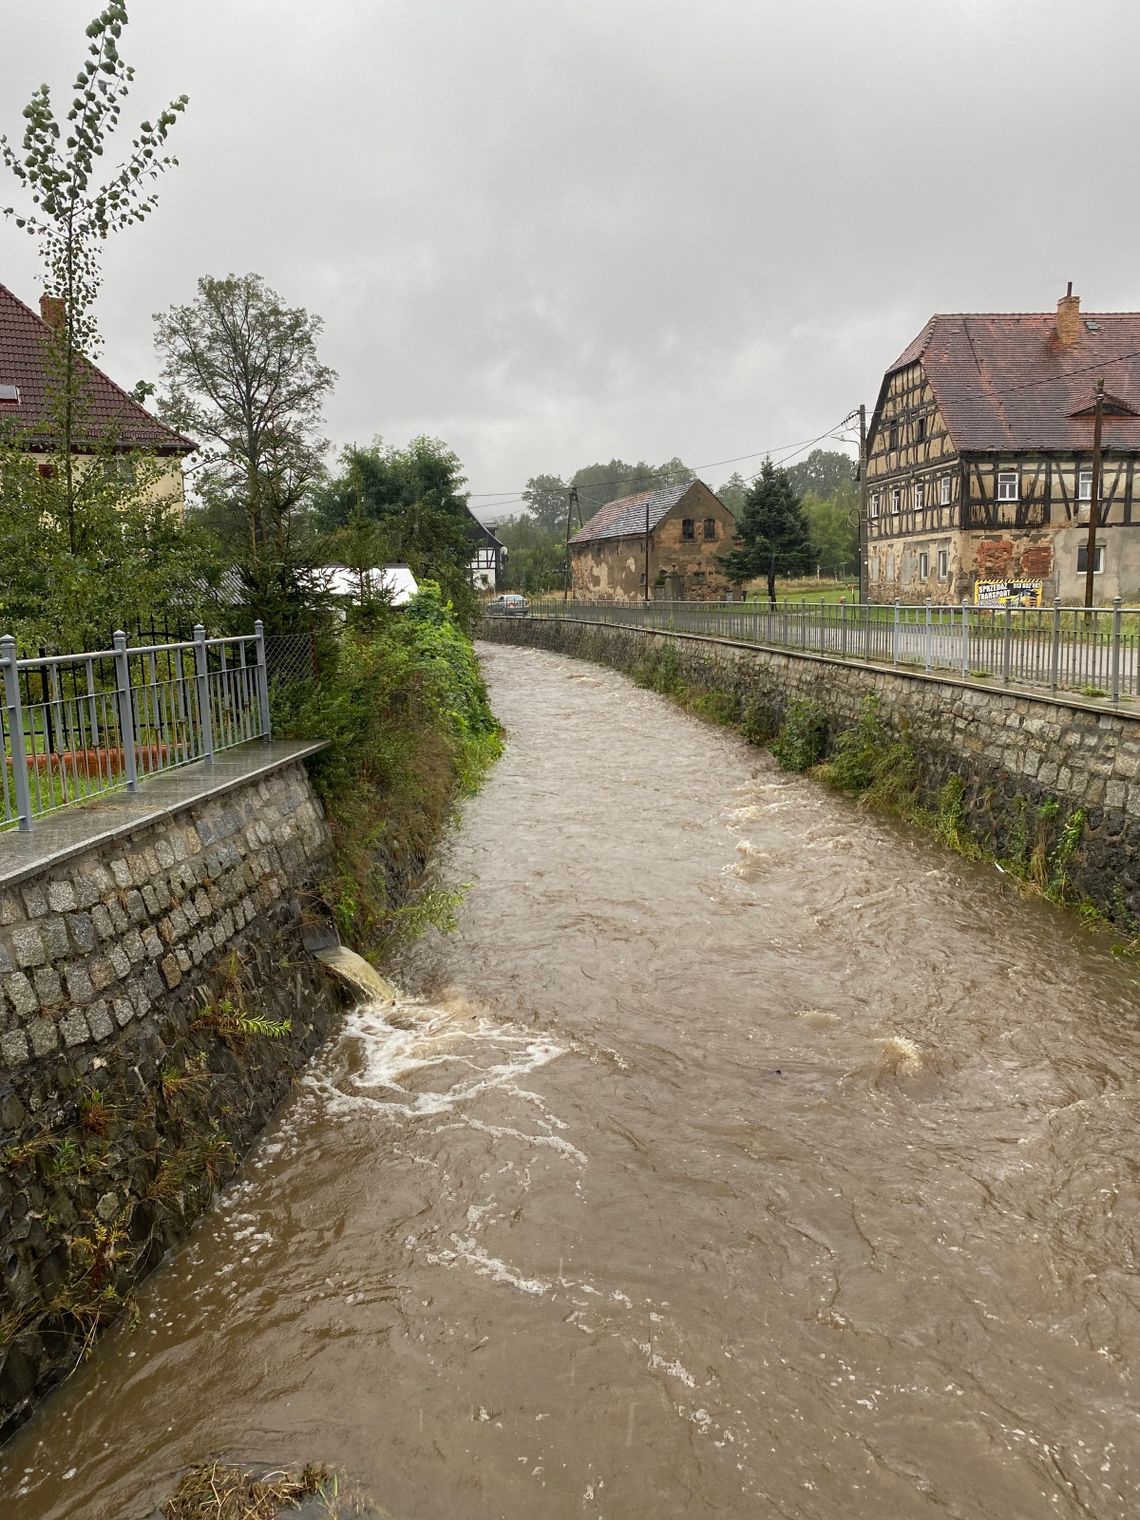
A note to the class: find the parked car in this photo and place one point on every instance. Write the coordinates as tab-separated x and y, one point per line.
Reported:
508	605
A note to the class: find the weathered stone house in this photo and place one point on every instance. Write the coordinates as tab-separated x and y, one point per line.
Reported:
113	427
979	458
684	527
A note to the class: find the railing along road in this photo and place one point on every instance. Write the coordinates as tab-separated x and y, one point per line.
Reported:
77	725
1094	652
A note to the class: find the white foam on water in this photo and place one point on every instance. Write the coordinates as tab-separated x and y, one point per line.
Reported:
901	1056
468	1251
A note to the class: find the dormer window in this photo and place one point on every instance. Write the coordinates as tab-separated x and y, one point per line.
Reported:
9	395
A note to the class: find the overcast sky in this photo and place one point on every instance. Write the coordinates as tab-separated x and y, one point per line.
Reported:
552	231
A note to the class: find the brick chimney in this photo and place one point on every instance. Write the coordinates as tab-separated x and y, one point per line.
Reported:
52	310
1068	318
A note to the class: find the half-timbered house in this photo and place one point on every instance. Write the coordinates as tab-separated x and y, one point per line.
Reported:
980	459
487	555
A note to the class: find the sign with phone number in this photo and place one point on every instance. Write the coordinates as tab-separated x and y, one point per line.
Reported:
1009	593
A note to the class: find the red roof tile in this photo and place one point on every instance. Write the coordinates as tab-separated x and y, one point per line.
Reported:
111	414
627	516
1005	382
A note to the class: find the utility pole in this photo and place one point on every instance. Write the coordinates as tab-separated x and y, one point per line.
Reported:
571	503
862	504
648	498
1094	496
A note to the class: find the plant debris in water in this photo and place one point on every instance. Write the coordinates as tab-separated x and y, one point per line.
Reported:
216	1491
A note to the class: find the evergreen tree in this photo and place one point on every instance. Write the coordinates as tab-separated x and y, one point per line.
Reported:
772	536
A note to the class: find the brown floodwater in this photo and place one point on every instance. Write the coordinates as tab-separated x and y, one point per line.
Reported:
741	1154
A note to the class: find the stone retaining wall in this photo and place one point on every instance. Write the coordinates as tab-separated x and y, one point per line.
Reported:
1016	754
140	983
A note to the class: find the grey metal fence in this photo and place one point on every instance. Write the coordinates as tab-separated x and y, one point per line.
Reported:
1096	652
77	725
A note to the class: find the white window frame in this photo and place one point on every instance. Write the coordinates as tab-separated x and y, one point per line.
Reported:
1098	561
944	491
896	501
919	496
1082	493
1003	480
924	564
873	505
944	564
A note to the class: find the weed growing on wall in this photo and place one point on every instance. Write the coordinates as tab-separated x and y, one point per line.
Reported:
802	740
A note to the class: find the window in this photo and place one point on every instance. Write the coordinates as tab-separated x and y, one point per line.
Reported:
896	499
944	490
873	506
687	528
47	471
1084	486
1007	485
919	495
923	565
699	577
944	564
710	527
10	395
893	436
920	428
120	467
1083	559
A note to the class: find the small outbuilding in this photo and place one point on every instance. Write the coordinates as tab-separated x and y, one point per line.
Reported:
676	533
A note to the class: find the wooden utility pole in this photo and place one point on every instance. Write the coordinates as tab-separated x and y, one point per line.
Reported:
1094	495
571	503
862	504
648	499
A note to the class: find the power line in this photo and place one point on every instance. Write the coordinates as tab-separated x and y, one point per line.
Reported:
710	464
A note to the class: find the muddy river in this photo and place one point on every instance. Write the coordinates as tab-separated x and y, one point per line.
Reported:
741	1155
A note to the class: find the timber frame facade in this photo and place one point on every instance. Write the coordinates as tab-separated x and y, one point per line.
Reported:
979	459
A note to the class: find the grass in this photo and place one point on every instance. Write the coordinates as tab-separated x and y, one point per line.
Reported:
219	1491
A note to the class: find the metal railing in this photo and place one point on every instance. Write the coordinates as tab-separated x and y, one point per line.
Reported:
78	725
1095	652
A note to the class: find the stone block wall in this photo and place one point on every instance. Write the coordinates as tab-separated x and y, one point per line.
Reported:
138	981
1013	752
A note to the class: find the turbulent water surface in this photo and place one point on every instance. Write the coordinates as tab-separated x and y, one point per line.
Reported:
741	1155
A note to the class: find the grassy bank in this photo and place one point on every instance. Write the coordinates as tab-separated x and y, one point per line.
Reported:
409	727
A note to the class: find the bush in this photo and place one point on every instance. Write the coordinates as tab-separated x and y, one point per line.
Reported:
802	739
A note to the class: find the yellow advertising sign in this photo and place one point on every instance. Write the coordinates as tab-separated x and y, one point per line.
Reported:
1009	593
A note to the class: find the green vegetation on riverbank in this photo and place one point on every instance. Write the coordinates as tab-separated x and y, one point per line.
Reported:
405	712
881	770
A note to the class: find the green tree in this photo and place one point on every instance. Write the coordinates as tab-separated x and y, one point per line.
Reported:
242	375
834	529
733	492
824	473
546	498
772	536
70	215
411	505
536	555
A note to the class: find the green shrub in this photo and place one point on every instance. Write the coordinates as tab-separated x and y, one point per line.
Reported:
802	739
756	722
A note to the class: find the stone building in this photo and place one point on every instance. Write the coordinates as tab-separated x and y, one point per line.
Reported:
680	529
114	429
979	459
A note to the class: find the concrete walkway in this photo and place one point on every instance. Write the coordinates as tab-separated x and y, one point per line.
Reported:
59	835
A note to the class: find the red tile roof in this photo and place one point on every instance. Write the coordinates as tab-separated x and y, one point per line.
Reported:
111	414
1005	382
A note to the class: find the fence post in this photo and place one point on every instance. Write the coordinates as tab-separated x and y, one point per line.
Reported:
1006	641
843	628
895	639
929	637
16	730
1055	662
202	680
262	679
126	709
965	639
1115	651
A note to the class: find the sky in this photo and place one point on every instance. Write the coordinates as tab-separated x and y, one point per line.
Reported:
550	232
